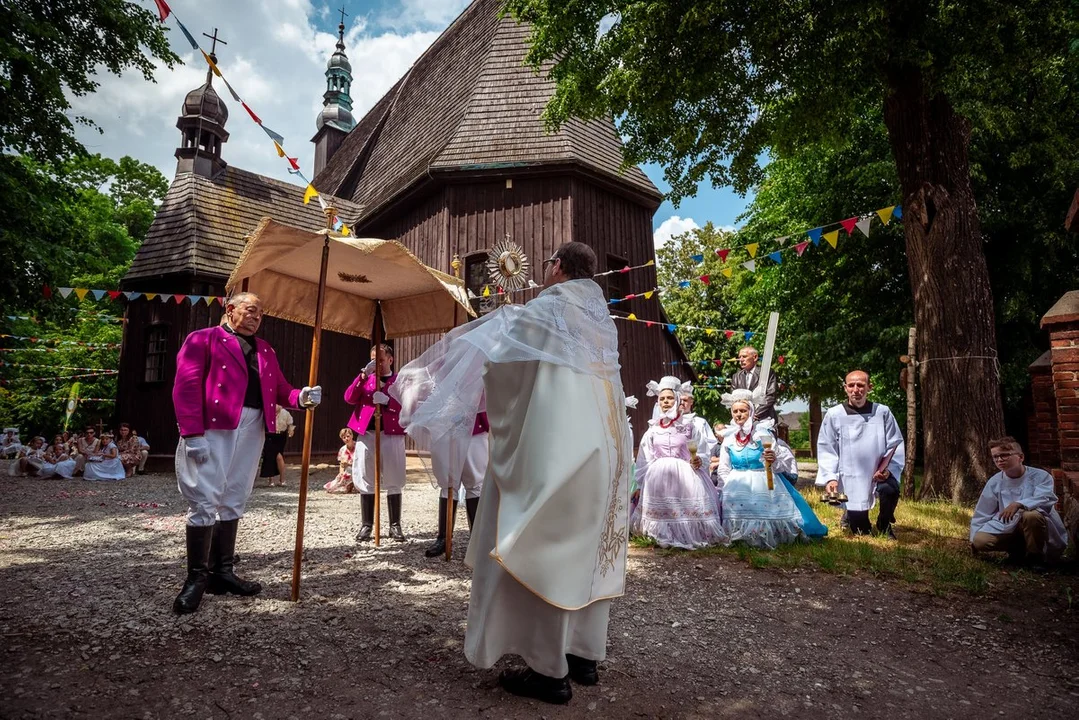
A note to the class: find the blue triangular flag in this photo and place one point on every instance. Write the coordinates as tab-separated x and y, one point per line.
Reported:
897	211
612	301
697	258
98	294
133	295
683	284
749	336
194	45
279	139
815	234
777	257
671	327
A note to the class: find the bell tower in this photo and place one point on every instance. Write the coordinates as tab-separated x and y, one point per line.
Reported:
335	120
202	126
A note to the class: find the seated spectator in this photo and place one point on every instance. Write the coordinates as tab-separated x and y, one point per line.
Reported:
10	444
57	460
128	445
1017	510
144	453
30	459
85	445
105	464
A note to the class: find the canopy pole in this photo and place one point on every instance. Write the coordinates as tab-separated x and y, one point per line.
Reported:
309	415
377	334
451	514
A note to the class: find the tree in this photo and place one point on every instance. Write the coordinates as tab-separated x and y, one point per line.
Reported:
706	88
52	50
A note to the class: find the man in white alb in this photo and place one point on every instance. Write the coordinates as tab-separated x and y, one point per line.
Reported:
549	546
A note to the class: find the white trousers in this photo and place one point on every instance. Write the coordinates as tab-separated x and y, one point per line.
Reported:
219	488
475	467
393	464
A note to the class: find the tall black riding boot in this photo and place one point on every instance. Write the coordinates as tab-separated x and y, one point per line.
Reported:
223	549
438	547
199	539
394	503
367	517
472	506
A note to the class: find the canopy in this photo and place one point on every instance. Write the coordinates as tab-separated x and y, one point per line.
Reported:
281	264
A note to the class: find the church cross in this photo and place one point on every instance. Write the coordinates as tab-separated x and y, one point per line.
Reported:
213	47
343	14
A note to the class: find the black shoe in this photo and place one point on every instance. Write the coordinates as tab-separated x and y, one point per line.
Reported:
367	517
438	547
364	534
887	532
199	539
222	578
526	682
393	506
397	534
582	671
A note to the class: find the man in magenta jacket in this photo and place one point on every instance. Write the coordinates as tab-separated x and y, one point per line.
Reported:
228	384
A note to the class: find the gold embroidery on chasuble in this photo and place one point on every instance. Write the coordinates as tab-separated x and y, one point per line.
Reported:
614	538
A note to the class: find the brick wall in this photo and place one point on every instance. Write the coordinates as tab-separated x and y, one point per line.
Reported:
1062	323
1042	446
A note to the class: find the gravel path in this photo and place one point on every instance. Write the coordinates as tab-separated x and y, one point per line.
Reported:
88	573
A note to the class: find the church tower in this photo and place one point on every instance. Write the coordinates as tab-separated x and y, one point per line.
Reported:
202	127
335	120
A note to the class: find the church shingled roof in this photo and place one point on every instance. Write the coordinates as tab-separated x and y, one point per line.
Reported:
469	102
201	224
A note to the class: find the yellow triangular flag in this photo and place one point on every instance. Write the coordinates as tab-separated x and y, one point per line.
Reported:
752	249
711	331
726	272
487	291
345	231
650	262
280	150
832	238
886	214
149	296
648	295
631	316
80	293
211	63
309	193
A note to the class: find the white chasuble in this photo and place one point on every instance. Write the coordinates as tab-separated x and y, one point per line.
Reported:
849	447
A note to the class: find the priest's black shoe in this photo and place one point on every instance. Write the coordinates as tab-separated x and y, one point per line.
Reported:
223	579
526	682
582	671
199	539
438	547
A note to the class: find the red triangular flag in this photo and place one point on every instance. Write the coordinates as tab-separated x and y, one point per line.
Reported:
782	359
115	294
294	163
625	269
705	279
719	363
251	113
648	323
179	298
849	224
729	333
801	247
163	9
46	291
723	254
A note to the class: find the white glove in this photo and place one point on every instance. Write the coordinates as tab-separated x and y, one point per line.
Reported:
368	368
381	398
310	397
631	402
198	450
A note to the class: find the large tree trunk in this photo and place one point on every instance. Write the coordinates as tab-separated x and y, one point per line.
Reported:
953	303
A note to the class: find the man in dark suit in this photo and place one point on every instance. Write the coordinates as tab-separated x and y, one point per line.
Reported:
748	377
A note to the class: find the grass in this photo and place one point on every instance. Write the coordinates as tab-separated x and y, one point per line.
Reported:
932	554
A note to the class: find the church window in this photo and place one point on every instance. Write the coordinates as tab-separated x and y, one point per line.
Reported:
476	280
616	284
157	342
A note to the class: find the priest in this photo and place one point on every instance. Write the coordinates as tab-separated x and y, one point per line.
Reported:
860	452
549	546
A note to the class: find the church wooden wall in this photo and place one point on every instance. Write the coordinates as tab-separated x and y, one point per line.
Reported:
148	406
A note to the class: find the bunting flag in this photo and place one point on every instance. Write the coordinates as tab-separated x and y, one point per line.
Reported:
309	193
885	214
80	293
211	63
53	378
45	341
650	263
776	257
723	253
782	240
295	164
487	291
98	294
251	113
276	137
897	211
751	265
801	247
235	95
849	224
752	249
163	10
672	326
280	150
64	292
814	235
683	283
116	295
749	335
190	39
705	279
863	224
727	272
105	371
697	258
832	238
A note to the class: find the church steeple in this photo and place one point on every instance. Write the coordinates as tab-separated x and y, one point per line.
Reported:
335	120
202	126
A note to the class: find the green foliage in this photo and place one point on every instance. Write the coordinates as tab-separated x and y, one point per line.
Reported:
50	51
80	227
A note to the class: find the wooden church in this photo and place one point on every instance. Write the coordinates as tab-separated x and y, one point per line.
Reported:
451	161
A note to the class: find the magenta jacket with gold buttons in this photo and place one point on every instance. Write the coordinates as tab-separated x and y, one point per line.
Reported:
211	379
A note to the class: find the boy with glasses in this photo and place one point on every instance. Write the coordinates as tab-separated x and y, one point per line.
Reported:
1017	510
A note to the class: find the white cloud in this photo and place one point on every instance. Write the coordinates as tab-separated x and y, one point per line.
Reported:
422	13
672	227
275	59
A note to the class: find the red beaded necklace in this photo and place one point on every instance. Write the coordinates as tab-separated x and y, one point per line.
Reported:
742	439
665	423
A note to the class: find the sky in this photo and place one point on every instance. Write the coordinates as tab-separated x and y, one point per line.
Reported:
275	58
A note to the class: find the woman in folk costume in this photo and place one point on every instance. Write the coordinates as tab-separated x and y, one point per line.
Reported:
752	513
677	503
